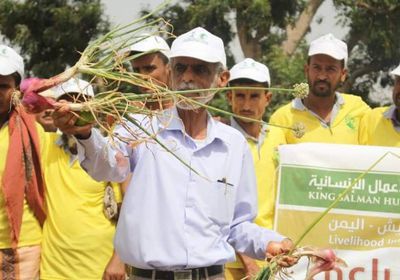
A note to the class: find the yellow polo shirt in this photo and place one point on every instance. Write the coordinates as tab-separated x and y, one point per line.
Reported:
77	237
265	162
377	128
343	129
31	232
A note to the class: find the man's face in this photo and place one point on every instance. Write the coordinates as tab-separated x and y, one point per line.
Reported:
324	74
396	92
45	119
190	74
249	103
7	87
153	66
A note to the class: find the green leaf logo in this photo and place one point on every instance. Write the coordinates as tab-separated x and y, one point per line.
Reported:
197	37
3	52
350	122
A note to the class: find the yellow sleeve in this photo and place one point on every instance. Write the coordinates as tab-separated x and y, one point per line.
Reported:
363	130
279	117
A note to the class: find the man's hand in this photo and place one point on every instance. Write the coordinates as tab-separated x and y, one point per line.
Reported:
250	266
65	120
281	248
115	269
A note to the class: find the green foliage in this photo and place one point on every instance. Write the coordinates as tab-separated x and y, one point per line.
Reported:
50	33
285	72
373	39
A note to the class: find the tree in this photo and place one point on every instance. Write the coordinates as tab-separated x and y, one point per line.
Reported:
270	31
50	33
373	41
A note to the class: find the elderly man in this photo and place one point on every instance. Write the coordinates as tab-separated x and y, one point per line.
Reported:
262	140
329	116
381	126
151	59
22	188
180	222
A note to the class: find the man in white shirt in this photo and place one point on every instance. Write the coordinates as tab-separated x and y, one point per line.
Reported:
180	222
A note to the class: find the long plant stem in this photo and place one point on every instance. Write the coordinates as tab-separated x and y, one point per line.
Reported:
134	122
235	115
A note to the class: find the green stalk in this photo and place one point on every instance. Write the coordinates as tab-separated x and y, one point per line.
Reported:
167	92
133	121
235	115
229	88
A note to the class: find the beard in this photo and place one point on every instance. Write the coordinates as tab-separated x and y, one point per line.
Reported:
202	97
325	91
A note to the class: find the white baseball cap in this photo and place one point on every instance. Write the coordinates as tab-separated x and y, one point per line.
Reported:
396	71
252	70
10	62
151	43
329	45
200	44
73	85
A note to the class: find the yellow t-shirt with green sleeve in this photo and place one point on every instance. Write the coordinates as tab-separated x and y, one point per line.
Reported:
377	129
77	237
264	158
31	232
342	130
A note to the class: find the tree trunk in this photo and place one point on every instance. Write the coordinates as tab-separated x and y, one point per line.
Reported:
251	47
297	31
249	39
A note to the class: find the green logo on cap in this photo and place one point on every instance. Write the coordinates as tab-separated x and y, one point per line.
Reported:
247	65
3	52
197	37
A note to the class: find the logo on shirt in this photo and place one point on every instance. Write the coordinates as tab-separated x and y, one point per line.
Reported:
350	122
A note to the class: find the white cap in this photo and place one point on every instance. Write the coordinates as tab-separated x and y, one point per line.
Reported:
396	71
151	43
73	85
329	45
10	62
252	70
200	44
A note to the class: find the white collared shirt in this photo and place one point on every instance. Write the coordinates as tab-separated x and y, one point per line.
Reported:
171	217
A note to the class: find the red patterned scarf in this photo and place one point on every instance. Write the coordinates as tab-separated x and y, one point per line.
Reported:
22	176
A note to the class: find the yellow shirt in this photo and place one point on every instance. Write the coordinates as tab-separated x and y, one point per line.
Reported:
77	237
264	158
376	128
31	232
343	129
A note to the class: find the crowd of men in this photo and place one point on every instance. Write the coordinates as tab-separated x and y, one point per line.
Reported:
58	206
